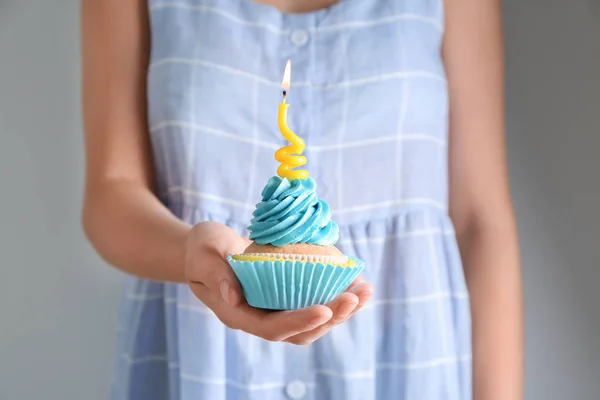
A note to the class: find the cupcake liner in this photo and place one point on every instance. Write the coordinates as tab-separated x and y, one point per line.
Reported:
315	258
292	284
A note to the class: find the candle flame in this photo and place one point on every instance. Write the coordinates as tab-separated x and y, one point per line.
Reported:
287	76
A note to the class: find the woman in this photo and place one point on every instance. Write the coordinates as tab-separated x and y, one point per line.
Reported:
401	105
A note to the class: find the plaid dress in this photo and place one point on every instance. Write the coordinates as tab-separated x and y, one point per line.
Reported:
370	98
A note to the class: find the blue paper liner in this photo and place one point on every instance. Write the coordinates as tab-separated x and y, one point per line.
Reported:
290	284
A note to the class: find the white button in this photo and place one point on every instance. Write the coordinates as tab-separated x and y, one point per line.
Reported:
299	37
296	390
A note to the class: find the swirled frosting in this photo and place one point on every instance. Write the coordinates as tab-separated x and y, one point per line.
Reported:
290	212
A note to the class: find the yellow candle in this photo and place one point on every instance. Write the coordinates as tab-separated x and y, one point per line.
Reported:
286	155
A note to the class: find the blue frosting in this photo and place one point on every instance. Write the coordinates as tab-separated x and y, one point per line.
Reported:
290	212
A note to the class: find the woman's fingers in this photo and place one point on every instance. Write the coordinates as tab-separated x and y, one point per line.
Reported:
342	307
283	324
355	282
364	292
271	325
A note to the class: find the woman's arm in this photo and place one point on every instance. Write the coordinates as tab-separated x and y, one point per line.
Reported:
123	219
480	204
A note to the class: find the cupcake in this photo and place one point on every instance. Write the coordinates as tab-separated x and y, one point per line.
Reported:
292	261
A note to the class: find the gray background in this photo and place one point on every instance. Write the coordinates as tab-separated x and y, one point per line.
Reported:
58	301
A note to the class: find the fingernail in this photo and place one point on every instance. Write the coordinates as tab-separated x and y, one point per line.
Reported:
233	297
225	291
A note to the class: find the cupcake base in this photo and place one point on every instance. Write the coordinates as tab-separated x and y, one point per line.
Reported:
292	284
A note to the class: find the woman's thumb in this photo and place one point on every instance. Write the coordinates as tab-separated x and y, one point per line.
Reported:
222	279
212	242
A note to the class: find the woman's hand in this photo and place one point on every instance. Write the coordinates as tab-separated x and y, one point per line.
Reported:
213	281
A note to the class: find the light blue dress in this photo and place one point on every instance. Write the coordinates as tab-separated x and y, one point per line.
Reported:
370	98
